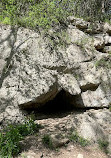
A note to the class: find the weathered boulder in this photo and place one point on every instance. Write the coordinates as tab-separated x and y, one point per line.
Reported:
32	73
107	49
95	125
107	28
79	23
107	39
99	42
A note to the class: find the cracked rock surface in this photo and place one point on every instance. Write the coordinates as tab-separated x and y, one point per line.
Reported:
31	74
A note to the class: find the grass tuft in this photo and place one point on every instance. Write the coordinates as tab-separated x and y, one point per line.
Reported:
103	144
47	141
74	137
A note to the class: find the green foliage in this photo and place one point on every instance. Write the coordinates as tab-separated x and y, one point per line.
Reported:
103	145
48	13
47	141
33	14
74	137
28	128
9	142
57	40
13	134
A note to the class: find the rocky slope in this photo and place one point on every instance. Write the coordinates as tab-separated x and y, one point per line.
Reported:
91	124
74	70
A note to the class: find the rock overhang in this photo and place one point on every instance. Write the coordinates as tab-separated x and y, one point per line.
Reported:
30	73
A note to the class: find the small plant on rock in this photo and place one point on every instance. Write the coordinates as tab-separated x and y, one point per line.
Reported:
74	137
47	141
103	144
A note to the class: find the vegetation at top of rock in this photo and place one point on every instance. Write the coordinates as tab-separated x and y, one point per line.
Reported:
48	13
11	136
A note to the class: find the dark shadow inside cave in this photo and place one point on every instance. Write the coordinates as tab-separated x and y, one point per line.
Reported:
58	104
62	104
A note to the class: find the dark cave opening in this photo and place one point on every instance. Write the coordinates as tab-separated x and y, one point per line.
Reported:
59	104
62	105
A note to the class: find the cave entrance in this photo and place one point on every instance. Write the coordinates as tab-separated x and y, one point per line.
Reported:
59	105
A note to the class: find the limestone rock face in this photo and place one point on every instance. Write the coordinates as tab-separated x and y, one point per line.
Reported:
32	73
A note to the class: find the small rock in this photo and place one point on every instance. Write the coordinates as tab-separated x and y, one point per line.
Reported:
80	156
59	142
107	28
107	49
107	39
99	43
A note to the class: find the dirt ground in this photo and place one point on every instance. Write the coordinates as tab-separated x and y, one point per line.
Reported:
33	147
71	151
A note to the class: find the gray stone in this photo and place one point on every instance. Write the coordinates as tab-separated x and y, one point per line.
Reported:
107	39
94	125
79	23
107	49
80	156
99	42
69	84
31	73
107	28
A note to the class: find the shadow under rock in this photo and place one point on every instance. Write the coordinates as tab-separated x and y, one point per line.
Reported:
59	107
